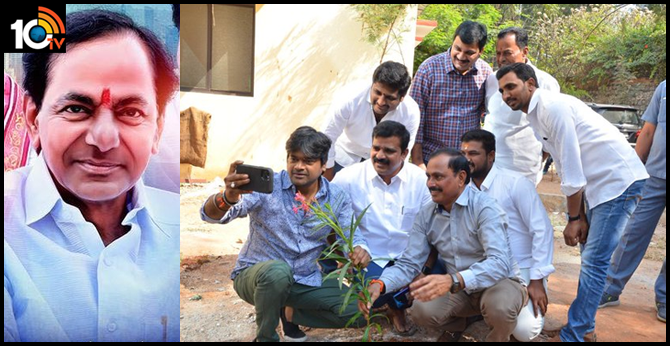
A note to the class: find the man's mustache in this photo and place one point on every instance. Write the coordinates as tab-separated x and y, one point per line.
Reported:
382	161
435	188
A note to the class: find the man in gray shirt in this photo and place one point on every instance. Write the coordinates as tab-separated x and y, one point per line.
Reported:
482	276
640	228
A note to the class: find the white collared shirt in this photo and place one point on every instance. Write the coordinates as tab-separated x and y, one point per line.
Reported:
63	284
388	221
589	152
350	126
517	149
531	235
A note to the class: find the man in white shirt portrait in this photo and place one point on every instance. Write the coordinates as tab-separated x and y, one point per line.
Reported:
395	191
531	235
91	254
354	117
597	167
517	149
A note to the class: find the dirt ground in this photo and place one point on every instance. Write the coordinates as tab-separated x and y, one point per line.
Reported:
212	311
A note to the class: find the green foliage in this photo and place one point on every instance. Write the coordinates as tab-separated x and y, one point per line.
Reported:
600	46
586	48
358	286
382	24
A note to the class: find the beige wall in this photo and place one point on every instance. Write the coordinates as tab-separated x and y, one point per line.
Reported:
304	55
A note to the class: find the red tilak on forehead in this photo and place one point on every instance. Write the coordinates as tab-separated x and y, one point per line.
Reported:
106	98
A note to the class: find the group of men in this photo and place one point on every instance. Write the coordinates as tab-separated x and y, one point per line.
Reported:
91	253
462	224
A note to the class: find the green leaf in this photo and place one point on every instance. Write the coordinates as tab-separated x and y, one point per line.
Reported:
366	334
343	272
347	298
331	275
353	319
379	329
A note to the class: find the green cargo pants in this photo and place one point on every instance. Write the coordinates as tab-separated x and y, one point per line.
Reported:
269	286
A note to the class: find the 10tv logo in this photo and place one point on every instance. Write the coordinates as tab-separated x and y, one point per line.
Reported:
47	30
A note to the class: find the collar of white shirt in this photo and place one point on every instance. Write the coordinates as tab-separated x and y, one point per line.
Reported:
488	181
534	100
40	186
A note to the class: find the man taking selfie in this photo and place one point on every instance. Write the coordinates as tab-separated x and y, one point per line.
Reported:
277	269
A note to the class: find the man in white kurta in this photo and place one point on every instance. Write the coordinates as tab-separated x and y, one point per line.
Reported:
517	149
531	235
597	167
362	108
395	191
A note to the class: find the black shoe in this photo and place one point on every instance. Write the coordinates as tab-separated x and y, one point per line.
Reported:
448	336
292	332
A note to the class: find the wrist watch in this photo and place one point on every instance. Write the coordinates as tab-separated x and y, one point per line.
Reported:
574	218
456	285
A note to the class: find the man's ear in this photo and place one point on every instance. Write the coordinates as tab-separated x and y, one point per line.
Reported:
461	178
30	112
404	154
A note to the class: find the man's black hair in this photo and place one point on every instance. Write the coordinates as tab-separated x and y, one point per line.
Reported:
522	71
394	75
176	8
472	32
390	128
310	142
487	139
520	36
84	26
457	161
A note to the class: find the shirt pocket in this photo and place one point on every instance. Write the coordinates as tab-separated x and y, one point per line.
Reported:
408	214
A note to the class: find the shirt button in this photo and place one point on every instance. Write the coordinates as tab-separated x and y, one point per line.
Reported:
108	261
111	327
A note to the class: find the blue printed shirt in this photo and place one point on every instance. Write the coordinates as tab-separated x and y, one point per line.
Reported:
277	232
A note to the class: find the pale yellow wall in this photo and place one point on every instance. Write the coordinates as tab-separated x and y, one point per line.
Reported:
304	55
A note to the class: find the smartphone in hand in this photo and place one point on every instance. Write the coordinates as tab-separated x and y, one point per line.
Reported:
261	178
401	299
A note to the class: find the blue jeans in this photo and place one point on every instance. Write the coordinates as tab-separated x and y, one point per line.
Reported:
635	239
607	222
660	285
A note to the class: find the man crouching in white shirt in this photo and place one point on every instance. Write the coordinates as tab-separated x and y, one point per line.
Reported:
531	235
395	191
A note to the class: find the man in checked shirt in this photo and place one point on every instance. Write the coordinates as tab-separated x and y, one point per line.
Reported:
450	90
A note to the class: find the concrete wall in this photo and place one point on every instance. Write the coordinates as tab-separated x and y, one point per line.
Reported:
304	54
